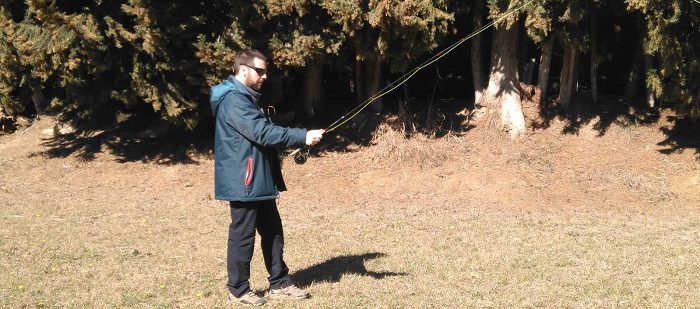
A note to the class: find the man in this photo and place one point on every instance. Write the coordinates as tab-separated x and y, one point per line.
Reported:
247	173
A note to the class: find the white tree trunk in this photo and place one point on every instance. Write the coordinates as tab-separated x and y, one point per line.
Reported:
503	92
512	118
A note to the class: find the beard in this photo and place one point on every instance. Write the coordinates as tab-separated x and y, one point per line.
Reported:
255	84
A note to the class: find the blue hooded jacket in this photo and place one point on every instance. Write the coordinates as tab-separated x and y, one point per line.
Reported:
246	164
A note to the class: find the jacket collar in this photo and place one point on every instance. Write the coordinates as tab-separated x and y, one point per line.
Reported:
253	94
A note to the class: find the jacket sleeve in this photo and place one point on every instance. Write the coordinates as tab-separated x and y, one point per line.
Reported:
244	117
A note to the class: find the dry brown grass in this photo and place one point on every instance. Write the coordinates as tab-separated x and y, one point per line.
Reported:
650	184
392	145
508	226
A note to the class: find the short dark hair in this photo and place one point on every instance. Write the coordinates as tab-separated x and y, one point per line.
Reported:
246	57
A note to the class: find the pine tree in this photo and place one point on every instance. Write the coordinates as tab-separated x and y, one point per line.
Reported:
230	27
673	41
542	29
303	38
11	70
396	33
164	70
92	60
573	40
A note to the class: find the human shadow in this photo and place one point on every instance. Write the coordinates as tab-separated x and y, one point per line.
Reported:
332	270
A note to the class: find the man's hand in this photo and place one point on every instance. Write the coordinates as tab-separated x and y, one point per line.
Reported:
314	136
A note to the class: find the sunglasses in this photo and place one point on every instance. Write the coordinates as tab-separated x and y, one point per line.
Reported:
260	71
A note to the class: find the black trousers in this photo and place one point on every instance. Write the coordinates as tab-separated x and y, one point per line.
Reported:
246	217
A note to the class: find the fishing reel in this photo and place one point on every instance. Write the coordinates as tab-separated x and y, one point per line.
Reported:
300	155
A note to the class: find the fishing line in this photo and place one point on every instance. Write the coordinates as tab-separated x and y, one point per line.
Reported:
404	78
300	156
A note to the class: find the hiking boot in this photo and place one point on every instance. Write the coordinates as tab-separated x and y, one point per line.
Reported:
249	298
289	292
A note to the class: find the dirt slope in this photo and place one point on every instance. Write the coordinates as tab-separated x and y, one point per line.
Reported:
625	167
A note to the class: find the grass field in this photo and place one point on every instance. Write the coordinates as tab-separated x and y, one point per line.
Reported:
523	226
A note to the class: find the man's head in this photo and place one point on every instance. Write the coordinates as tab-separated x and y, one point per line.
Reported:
250	68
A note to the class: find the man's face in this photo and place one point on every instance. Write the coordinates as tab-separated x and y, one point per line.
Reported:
255	74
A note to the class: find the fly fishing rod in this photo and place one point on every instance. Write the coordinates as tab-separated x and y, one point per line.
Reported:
300	155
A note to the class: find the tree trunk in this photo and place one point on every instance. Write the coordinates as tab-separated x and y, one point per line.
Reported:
529	71
594	58
503	90
477	67
522	51
312	94
37	97
545	64
633	80
359	82
568	77
373	75
368	73
648	65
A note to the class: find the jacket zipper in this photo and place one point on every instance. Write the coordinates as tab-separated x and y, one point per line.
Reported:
249	172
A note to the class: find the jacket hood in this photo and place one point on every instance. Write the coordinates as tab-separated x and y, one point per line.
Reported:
219	91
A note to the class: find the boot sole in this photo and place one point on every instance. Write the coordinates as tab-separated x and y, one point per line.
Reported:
235	302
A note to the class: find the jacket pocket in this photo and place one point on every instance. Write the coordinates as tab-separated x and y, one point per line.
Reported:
248	172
